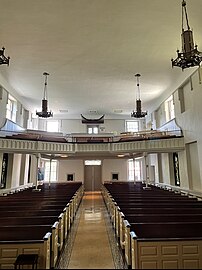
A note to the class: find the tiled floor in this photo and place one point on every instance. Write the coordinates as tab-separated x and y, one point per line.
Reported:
91	243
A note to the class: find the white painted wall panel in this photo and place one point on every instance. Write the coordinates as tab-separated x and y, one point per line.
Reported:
114	165
70	166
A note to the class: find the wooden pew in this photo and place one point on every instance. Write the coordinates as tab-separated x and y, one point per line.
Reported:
165	245
157	218
62	219
41	240
148	194
166	209
147	211
10	250
149	205
37	201
61	206
39	220
36	210
34	220
163	217
138	198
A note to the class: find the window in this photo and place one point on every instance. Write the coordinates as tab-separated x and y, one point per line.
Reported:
132	126
169	109
53	173
92	162
92	129
11	108
52	126
137	170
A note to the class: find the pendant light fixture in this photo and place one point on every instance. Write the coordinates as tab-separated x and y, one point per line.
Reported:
45	113
138	113
190	56
3	58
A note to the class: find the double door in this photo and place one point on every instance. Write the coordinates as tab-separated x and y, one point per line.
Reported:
92	178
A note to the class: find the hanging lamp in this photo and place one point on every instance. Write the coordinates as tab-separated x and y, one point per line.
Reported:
3	58
190	56
45	113
138	113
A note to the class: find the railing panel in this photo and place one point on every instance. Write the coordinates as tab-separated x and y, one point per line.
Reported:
157	145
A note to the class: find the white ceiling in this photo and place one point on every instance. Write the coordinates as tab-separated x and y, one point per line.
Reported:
92	50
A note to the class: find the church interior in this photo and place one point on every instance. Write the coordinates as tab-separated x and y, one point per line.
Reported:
100	134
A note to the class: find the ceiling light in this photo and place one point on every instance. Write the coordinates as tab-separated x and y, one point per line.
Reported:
138	113
190	56
45	113
120	155
3	58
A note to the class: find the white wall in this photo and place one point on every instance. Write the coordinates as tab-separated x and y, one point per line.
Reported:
193	166
109	166
19	114
8	88
15	181
188	111
154	162
114	166
68	126
70	166
184	182
165	168
114	126
191	122
3	102
33	170
72	126
24	169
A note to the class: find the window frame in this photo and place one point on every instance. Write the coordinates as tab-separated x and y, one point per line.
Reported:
169	108
138	168
11	108
54	169
52	121
128	129
93	127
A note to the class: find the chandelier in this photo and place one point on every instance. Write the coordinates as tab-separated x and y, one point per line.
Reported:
45	113
138	113
3	58
190	56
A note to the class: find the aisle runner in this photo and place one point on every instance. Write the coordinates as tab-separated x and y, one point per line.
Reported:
91	242
63	261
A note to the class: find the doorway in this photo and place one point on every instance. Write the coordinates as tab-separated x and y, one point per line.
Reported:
92	177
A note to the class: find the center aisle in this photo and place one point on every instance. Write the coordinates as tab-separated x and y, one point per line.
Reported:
91	243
